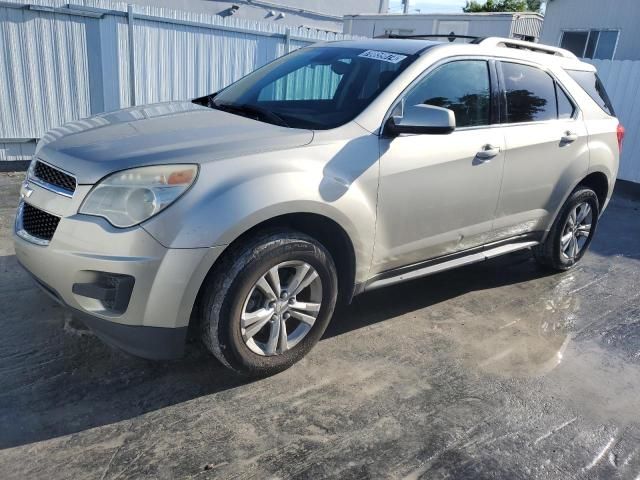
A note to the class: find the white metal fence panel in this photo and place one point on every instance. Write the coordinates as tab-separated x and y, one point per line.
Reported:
43	71
178	61
622	81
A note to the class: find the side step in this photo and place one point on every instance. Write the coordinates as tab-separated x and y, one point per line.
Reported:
449	264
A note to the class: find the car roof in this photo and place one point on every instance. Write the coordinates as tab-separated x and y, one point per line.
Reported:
483	46
393	45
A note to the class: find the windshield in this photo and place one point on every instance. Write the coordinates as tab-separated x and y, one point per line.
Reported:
317	88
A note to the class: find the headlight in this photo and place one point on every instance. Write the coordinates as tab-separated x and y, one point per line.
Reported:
130	197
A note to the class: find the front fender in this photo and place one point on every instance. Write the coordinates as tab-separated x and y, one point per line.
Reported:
219	208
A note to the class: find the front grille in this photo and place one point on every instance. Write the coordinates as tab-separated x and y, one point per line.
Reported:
37	223
53	176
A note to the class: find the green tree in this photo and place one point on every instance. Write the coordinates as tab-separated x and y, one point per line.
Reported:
502	6
534	5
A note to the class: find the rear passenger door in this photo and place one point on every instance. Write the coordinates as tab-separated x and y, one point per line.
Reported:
546	149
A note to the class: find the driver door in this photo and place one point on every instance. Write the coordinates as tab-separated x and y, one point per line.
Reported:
438	193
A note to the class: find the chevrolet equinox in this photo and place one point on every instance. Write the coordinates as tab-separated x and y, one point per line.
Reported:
336	169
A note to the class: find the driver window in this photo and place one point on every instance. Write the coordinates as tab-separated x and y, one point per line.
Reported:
462	86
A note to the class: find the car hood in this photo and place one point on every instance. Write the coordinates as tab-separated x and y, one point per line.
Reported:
173	132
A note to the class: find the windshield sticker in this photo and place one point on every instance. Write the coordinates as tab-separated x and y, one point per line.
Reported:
383	56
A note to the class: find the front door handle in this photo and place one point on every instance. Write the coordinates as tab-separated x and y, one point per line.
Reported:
487	153
569	137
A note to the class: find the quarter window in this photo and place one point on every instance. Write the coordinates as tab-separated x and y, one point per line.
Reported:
531	94
591	83
598	44
462	86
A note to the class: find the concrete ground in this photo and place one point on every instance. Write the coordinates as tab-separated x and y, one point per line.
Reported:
497	370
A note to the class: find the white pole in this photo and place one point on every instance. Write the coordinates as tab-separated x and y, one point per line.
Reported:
132	55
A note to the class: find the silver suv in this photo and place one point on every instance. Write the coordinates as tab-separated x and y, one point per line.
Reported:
334	170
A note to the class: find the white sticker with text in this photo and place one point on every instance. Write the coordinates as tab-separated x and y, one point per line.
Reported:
383	56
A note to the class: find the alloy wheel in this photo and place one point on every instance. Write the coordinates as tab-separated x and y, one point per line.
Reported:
281	308
577	230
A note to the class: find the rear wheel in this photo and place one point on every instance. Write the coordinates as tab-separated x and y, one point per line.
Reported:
572	232
268	302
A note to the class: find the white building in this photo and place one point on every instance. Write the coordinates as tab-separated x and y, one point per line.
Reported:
593	28
525	26
319	14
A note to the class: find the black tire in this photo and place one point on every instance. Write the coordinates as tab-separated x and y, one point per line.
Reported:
228	285
549	254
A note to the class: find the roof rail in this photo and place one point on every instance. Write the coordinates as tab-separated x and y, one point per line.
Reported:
521	44
448	36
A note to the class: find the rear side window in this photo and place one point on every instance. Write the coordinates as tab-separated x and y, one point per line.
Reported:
531	94
590	83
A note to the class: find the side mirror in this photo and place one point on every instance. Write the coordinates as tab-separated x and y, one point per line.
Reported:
422	119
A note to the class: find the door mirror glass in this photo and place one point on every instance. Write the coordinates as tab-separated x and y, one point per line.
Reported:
422	119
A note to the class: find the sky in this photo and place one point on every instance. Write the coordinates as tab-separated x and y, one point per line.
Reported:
428	6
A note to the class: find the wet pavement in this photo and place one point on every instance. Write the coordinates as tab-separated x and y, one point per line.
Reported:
497	370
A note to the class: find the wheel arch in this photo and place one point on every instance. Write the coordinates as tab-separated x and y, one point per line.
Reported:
331	234
599	183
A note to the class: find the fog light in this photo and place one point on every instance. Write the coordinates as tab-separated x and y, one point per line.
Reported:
112	290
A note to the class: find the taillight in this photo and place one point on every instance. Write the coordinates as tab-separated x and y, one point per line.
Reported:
620	133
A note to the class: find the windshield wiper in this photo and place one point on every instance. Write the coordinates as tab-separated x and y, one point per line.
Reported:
249	110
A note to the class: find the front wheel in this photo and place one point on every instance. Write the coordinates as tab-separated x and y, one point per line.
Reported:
268	302
572	231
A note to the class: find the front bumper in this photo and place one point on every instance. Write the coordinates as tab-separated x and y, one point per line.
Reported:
154	343
153	321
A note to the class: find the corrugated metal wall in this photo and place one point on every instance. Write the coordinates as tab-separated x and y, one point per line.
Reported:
622	81
66	60
527	25
44	71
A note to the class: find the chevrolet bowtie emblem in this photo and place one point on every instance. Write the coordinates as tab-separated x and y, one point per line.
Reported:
26	190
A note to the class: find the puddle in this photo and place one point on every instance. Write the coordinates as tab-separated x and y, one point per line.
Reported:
528	339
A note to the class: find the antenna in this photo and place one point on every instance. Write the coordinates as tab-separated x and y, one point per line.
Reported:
405	6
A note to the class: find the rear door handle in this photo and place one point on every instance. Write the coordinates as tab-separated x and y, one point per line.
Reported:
487	153
569	137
